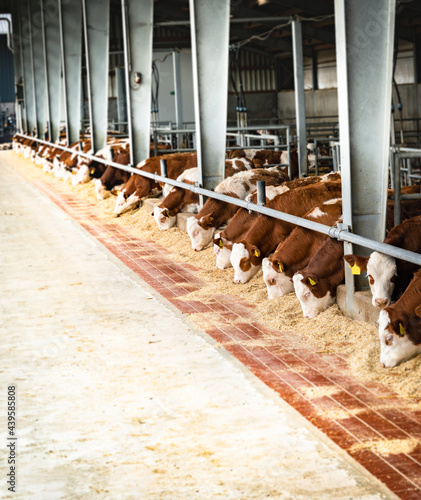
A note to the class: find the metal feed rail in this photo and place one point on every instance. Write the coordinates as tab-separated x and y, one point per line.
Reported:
340	232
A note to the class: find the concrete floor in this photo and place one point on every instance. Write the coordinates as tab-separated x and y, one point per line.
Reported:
120	397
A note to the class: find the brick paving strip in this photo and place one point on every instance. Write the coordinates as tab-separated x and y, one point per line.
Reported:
288	368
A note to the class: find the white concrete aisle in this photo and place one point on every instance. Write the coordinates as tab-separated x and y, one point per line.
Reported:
120	397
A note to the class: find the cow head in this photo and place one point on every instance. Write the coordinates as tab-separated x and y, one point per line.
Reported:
244	269
200	236
381	272
312	302
277	282
222	250
163	218
83	174
400	336
124	204
101	192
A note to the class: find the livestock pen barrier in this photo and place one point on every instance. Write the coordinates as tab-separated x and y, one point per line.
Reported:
341	232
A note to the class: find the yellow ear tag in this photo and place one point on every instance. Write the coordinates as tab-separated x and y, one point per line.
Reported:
221	244
92	171
210	219
118	192
281	268
256	253
402	330
312	282
355	269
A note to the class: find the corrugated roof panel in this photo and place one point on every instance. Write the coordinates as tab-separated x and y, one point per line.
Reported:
7	79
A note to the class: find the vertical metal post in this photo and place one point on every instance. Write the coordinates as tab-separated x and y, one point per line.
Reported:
300	104
364	50
397	189
28	67
70	18
96	24
137	38
121	99
416	57
18	68
209	25
50	11
177	91
38	54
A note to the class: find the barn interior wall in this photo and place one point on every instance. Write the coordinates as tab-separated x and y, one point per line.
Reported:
261	107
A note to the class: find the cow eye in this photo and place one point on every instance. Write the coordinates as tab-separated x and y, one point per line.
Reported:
393	279
196	233
307	295
389	339
370	279
272	281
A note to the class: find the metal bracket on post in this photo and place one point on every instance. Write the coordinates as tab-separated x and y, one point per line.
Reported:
164	171
261	193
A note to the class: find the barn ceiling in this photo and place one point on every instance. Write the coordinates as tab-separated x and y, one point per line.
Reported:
260	16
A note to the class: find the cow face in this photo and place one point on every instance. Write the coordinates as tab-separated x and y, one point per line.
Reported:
100	190
277	283
163	218
381	272
244	270
396	345
310	304
222	252
200	237
124	204
83	175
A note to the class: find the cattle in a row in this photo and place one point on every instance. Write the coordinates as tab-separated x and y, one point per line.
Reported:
215	213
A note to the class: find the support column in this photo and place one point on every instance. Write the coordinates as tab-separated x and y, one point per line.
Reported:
50	10
209	25
364	53
137	37
177	94
417	75
18	68
38	55
28	67
70	18
121	100
300	103
96	23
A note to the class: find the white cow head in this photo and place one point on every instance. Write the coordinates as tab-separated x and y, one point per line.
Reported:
310	304
222	252
244	270
82	175
163	218
101	192
124	204
199	237
395	345
277	283
381	272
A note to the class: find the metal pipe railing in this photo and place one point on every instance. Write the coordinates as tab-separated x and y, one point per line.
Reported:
340	234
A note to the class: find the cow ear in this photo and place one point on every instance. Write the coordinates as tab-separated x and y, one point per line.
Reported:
278	265
418	311
206	220
255	251
399	325
218	242
357	263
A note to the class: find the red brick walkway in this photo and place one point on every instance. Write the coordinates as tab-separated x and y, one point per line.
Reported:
288	368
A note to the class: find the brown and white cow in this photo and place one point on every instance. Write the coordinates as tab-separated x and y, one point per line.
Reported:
215	213
315	285
269	157
296	251
388	277
179	199
138	187
240	223
113	177
400	326
266	233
